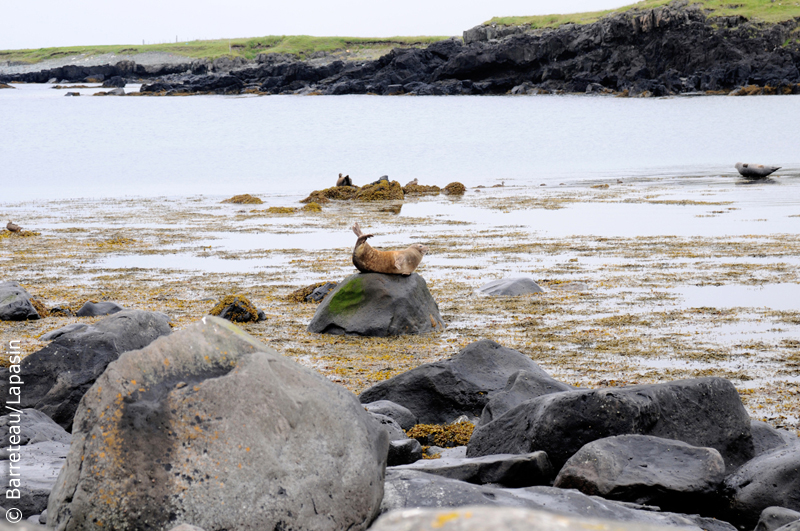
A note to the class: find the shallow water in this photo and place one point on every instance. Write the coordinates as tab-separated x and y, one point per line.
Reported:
56	147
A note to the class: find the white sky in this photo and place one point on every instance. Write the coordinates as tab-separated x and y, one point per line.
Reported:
46	23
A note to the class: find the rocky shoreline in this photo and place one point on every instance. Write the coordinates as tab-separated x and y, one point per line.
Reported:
675	49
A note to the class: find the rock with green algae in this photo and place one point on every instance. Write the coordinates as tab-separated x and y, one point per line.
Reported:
377	304
193	428
244	199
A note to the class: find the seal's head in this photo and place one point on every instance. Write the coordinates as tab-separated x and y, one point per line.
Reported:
423	249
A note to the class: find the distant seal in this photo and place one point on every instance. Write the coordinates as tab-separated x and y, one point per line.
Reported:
344	181
369	260
383	178
755	171
13	227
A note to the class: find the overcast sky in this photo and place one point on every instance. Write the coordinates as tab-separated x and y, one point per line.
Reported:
46	23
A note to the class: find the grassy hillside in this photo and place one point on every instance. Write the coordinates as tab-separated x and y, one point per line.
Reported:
300	45
759	10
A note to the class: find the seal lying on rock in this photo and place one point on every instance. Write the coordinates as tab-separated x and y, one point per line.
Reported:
13	227
755	171
369	260
344	181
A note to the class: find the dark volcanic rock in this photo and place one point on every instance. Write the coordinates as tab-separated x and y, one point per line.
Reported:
407	488
647	470
15	303
403	416
440	392
392	428
212	427
114	82
773	518
705	412
771	479
57	376
521	387
376	304
95	309
403	452
766	438
34	427
509	470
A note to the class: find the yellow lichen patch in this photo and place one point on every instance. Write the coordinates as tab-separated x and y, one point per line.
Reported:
242	310
244	199
281	210
454	188
446	436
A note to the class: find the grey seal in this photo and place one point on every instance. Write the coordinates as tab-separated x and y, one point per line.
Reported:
755	171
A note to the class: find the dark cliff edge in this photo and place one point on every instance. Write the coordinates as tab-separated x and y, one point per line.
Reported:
668	50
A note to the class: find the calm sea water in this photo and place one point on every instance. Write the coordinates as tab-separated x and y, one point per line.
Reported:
57	147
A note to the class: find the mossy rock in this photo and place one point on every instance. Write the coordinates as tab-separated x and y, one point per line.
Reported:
382	191
281	210
244	199
340	193
444	436
455	188
421	189
236	308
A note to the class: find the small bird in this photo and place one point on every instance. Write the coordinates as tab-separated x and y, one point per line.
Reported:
13	227
344	181
755	171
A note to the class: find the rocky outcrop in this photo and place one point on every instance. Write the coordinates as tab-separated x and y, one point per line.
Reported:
210	427
705	412
96	309
521	387
440	392
377	304
666	50
57	376
510	287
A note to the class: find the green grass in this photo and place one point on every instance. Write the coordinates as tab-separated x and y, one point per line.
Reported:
298	45
757	10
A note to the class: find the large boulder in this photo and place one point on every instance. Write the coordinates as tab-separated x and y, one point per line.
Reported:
403	416
57	376
521	387
509	470
647	470
406	489
212	428
705	412
96	309
771	479
440	392
767	438
377	304
773	518
37	447
15	303
482	518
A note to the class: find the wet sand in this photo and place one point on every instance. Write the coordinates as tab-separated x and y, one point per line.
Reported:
644	281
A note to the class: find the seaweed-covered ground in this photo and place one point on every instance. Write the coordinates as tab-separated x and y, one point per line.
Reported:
644	281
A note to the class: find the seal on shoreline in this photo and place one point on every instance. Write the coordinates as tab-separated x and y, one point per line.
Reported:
344	181
13	227
755	171
369	260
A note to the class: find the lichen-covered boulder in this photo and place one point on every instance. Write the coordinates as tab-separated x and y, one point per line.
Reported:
212	428
15	303
377	304
57	376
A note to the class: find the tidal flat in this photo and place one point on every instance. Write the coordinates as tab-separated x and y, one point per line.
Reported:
644	281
